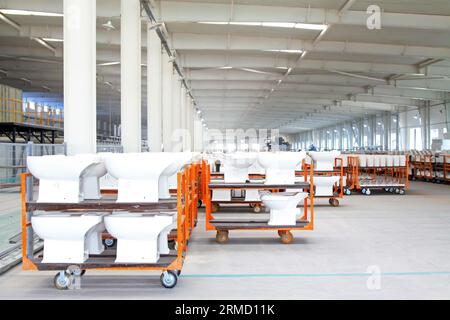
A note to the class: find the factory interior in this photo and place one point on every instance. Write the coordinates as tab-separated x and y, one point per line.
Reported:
225	149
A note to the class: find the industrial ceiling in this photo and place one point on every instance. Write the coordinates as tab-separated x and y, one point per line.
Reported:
287	64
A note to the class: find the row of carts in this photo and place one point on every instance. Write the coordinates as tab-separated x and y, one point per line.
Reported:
368	172
430	166
196	183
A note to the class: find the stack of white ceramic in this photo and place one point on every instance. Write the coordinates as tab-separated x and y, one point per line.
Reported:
67	179
280	166
69	238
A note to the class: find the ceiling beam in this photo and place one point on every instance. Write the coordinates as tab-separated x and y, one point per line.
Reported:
178	11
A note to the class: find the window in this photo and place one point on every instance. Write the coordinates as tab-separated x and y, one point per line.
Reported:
434	134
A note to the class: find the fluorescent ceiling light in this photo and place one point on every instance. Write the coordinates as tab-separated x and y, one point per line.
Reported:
307	26
286	51
45	44
30	13
52	40
225	68
109	63
283	68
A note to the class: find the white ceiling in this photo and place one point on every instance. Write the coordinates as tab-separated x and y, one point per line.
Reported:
348	72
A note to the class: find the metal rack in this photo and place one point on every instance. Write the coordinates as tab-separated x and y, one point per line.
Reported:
393	179
442	169
223	226
170	265
338	190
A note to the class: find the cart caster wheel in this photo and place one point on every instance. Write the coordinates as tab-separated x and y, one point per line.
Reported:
368	192
169	279
215	207
334	202
222	236
62	281
363	190
287	237
348	192
199	203
257	208
172	245
397	191
109	243
401	192
251	205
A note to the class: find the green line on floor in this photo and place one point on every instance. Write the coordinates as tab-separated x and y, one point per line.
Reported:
313	275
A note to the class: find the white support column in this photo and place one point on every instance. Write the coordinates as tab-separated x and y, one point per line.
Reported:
80	131
167	75
176	113
190	122
183	115
154	91
130	70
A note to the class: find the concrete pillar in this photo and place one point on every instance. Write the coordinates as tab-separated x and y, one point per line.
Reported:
387	130
183	117
447	120
130	69
176	114
167	76
80	131
361	133
154	91
190	121
424	112
404	130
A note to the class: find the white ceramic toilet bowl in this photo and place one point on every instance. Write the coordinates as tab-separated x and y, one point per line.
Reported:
324	161
362	160
69	238
280	166
168	178
283	207
137	235
65	179
138	175
236	167
256	168
163	242
324	185
90	184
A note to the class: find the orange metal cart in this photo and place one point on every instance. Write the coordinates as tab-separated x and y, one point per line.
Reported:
170	265
223	226
338	190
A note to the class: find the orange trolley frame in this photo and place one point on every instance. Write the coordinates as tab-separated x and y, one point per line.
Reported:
172	263
354	172
222	227
338	191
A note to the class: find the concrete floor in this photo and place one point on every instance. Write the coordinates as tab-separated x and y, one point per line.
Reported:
9	215
404	238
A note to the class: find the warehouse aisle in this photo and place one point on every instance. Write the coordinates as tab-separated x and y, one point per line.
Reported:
402	239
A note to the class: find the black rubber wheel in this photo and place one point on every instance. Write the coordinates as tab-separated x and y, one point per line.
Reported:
109	243
287	237
62	283
169	279
222	236
257	208
215	207
199	203
334	202
172	245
